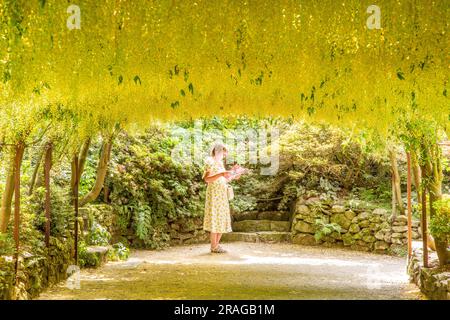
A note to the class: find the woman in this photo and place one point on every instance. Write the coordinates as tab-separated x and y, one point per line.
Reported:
217	218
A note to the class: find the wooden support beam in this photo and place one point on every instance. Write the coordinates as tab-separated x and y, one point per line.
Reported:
393	200
20	148
409	206
75	204
424	226
47	204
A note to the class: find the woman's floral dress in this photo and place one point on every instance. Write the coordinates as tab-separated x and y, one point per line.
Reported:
217	208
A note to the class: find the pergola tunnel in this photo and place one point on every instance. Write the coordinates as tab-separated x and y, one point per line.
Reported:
332	122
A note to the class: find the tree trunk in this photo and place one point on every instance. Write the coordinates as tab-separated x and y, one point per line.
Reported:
393	199
396	182
82	156
5	210
102	169
416	175
36	170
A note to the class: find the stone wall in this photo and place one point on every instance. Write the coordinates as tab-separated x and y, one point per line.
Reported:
102	214
181	231
361	228
188	231
434	282
35	272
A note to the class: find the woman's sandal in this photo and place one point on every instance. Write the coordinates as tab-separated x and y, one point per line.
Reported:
218	249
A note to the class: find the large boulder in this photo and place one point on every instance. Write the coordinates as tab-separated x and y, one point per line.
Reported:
388	237
312	201
380	211
364	223
349	214
302	209
306	218
397	241
348	240
379	235
305	227
338	209
369	238
363	216
381	245
397	235
354	228
304	239
401	220
341	220
400	228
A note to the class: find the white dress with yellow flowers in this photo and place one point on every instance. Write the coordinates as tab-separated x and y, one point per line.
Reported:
217	217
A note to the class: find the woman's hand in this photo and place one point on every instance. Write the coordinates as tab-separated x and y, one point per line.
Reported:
227	175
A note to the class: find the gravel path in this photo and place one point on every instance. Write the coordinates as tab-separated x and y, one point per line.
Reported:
248	271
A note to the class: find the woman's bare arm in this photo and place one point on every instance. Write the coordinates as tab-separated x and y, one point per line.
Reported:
211	178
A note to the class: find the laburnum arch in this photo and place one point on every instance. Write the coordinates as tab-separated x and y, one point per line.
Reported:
131	62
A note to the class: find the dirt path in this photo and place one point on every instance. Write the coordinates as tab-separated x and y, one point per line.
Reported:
248	271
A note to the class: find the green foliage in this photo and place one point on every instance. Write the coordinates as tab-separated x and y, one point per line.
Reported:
6	244
86	259
61	210
98	235
118	251
380	195
148	188
327	160
6	278
324	229
87	180
440	222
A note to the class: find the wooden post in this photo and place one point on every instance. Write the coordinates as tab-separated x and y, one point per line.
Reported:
17	161
424	226
408	186
75	203
47	205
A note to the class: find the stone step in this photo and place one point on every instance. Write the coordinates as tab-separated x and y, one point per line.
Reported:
96	256
262	215
262	236
261	225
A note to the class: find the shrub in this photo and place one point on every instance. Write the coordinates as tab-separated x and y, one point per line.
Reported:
118	252
324	229
98	235
440	222
148	188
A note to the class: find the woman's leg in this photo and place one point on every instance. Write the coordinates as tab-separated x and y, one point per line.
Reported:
218	236
213	237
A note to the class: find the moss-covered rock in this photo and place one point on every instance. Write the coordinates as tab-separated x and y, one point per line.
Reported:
341	220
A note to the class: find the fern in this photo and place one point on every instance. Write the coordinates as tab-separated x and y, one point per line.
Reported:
144	222
324	229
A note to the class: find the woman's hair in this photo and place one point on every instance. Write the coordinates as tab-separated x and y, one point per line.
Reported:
217	147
